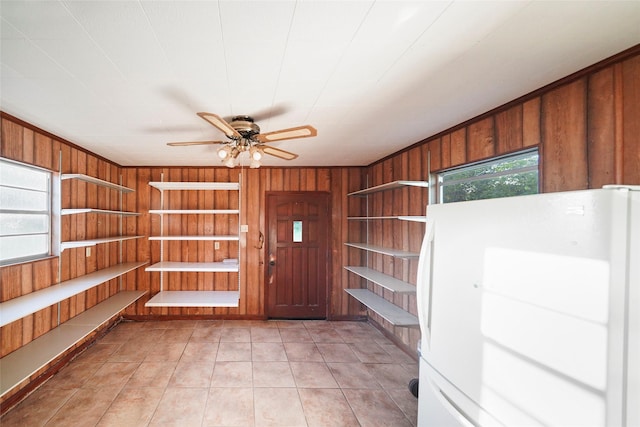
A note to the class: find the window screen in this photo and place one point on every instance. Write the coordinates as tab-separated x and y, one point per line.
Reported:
25	212
512	175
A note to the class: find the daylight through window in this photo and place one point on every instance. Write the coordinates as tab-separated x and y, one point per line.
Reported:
507	176
25	212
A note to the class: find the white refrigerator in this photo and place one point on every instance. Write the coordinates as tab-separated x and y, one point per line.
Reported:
529	311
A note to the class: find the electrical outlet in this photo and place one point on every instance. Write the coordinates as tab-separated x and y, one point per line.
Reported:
216	245
244	228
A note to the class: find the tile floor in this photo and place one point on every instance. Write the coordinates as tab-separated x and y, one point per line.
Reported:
229	373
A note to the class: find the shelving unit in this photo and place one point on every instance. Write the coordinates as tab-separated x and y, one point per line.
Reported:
374	302
76	211
169	298
21	364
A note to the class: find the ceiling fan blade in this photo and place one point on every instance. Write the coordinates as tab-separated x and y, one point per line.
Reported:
277	152
221	124
183	144
291	133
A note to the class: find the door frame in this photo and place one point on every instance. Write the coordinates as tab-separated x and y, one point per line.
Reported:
267	247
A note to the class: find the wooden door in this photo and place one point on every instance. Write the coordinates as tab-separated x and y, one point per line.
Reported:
297	257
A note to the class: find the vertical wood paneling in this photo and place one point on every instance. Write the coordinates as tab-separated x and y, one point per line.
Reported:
509	134
631	121
531	122
588	132
480	140
459	147
564	138
601	131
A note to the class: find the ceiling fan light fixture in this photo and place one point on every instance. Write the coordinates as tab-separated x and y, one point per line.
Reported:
256	154
224	152
255	164
230	162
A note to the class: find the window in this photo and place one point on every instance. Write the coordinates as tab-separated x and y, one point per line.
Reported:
25	212
507	176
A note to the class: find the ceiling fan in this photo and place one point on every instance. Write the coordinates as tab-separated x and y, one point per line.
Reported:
244	135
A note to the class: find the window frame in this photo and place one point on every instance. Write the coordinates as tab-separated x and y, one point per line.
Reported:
440	185
49	212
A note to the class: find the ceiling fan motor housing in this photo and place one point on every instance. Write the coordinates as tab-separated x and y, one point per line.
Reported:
245	126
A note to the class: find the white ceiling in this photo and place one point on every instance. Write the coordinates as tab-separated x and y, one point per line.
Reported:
122	78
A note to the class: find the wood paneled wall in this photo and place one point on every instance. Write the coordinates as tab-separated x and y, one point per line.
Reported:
255	183
587	129
24	143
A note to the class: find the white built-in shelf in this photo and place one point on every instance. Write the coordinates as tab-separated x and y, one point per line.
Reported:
92	242
387	310
161	185
194	299
397	253
92	180
384	280
213	238
22	306
195	211
19	365
99	211
400	217
389	186
213	267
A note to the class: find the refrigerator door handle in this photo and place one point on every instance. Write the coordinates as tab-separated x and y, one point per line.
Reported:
424	279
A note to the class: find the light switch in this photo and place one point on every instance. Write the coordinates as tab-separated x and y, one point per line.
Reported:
216	245
87	251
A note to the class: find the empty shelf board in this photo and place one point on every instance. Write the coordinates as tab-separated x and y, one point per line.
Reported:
194	299
194	266
387	310
384	280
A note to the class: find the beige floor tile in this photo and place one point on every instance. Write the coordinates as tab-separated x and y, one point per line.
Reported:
210	333
165	351
225	373
289	324
389	375
325	335
326	408
371	352
295	335
278	407
180	335
190	374
84	408
132	407
302	352
235	335
352	375
336	352
407	402
232	374
180	407
200	352
73	376
268	352
272	374
312	375
112	374
260	334
131	351
98	353
38	408
152	374
229	407
234	352
376	408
